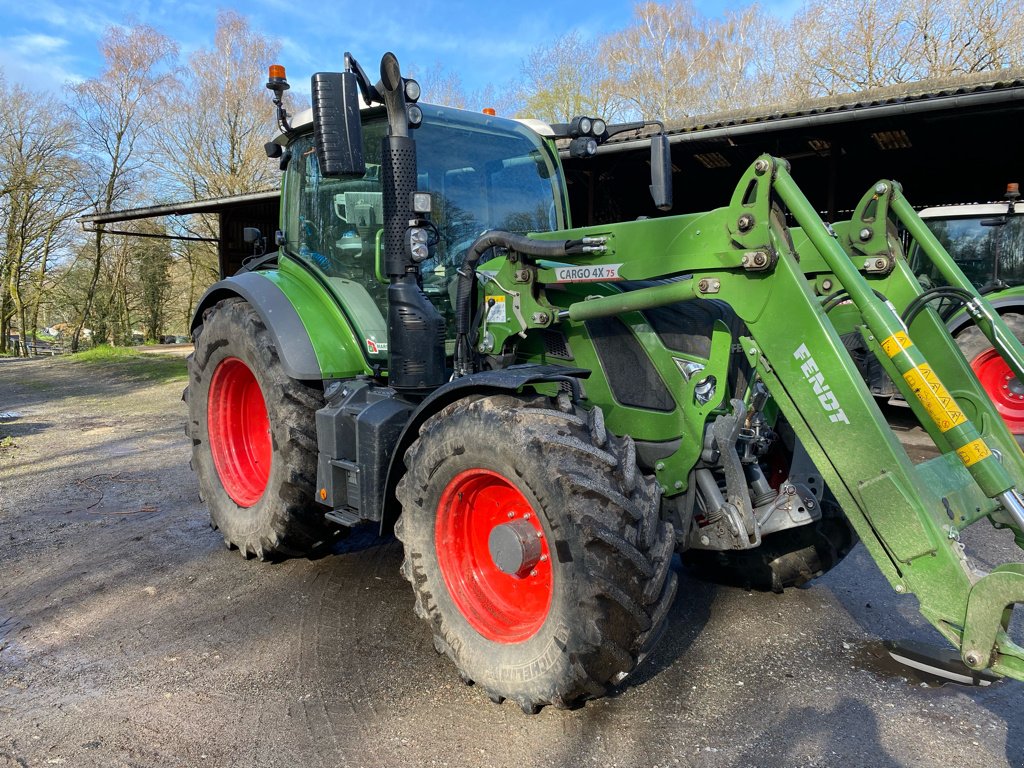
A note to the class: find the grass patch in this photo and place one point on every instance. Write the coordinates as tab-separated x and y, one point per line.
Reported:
128	362
101	353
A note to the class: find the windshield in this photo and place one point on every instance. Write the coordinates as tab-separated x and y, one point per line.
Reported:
482	172
985	252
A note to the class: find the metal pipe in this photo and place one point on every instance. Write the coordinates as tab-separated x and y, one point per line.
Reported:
1013	504
631	301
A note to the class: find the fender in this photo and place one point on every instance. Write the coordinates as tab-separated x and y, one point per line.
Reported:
313	336
1003	304
509	380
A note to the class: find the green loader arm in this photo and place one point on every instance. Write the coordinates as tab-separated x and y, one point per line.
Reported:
909	516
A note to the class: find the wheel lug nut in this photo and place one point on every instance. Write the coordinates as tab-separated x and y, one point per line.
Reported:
543	558
527	516
533	572
511	515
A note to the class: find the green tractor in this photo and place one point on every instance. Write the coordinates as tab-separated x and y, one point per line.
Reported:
547	415
986	240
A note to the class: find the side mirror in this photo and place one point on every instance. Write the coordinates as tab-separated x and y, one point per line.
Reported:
337	128
661	172
254	237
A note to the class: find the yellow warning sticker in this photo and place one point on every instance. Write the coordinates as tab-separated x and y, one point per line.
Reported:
973	452
897	343
496	313
933	396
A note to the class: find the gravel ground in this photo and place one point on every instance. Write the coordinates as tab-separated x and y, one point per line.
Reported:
129	636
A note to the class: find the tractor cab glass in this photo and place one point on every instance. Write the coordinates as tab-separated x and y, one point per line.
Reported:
482	173
988	253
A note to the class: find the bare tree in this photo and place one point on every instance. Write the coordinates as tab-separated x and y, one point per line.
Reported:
953	37
565	79
659	62
212	141
440	86
116	112
36	172
846	46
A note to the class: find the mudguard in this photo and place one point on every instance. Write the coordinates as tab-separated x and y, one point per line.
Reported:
311	332
1011	303
509	380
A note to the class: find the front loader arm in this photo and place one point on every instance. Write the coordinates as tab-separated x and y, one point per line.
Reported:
908	516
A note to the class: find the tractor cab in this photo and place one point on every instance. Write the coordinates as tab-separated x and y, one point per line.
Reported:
481	172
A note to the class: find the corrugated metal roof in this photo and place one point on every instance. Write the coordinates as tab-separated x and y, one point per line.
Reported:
909	94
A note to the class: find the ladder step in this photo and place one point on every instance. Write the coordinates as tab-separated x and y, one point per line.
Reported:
344	517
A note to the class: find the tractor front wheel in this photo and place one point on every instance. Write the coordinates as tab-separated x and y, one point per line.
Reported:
253	437
534	548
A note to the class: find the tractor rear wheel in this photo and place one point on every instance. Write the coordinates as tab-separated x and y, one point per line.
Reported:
534	548
253	437
999	382
789	558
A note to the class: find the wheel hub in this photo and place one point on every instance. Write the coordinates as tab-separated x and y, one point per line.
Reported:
493	555
515	547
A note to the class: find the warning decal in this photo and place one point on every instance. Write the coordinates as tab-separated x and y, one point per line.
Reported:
973	452
933	396
897	343
496	314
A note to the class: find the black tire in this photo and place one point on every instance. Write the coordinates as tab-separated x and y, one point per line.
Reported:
972	343
785	559
610	575
285	520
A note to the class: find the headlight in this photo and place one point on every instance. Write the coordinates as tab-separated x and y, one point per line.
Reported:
416	242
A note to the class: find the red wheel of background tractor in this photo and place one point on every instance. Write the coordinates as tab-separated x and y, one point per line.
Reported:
239	431
493	556
1006	391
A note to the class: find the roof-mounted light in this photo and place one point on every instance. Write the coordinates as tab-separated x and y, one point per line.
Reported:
278	83
277	80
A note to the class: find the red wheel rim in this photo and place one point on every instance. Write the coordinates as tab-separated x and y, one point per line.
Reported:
1003	387
503	607
239	431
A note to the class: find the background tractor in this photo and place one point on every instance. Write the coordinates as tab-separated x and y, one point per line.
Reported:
986	240
547	415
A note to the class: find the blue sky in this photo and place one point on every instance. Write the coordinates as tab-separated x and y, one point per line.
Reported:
45	43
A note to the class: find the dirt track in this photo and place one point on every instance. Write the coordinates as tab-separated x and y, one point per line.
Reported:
129	636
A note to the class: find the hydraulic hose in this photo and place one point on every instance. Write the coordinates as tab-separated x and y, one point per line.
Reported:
939	292
467	275
486	241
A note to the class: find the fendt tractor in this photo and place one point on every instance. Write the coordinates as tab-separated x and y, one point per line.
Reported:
547	415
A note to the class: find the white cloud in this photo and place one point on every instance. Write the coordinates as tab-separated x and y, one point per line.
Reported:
35	45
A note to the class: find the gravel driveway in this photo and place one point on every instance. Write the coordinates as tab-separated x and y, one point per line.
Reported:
129	635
